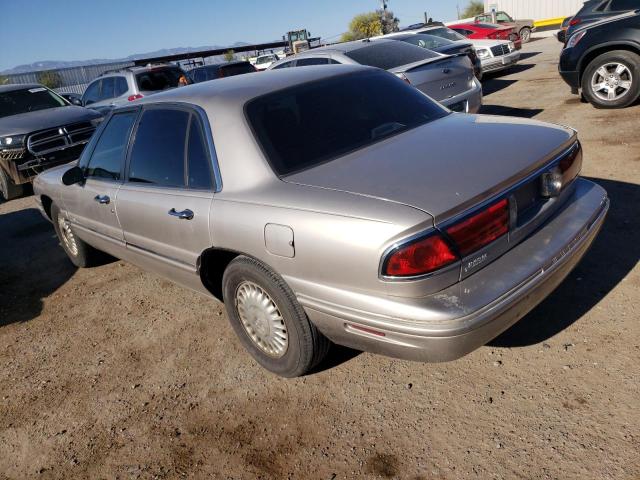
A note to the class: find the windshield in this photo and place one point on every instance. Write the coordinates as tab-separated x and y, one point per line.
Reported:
159	79
29	100
447	33
305	125
388	55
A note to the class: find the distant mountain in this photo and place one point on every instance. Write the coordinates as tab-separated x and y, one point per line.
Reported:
55	64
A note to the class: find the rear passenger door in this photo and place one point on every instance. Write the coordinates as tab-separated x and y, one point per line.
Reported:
164	204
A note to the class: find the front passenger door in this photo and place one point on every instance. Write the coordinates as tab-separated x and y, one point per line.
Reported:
164	203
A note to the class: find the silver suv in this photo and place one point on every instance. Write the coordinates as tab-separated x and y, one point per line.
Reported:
117	87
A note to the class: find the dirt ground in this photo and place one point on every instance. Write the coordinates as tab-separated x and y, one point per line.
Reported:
111	372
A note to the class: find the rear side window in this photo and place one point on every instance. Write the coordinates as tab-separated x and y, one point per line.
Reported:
121	86
312	123
621	5
157	156
106	159
388	55
158	79
107	88
198	162
305	62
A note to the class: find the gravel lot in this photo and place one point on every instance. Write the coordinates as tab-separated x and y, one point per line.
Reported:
111	372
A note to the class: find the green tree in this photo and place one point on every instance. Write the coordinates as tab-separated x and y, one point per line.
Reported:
364	25
50	79
475	7
229	56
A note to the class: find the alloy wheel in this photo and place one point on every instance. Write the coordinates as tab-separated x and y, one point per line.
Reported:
611	81
68	238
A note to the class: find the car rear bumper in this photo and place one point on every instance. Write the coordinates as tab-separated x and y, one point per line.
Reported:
466	102
494	64
465	316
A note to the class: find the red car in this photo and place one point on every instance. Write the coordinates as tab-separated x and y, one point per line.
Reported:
488	31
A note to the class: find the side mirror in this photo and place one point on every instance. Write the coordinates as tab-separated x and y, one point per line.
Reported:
76	101
72	176
73	98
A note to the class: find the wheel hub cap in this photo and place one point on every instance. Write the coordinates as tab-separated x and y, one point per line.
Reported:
261	319
68	238
611	81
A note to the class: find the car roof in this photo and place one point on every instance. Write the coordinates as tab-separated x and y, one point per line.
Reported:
239	89
19	86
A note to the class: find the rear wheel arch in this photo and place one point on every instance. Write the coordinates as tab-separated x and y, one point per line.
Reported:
211	265
46	205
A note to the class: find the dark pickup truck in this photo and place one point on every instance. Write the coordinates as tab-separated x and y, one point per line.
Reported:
38	130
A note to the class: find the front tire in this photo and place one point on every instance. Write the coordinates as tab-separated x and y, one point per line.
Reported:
612	80
269	321
8	189
525	34
79	252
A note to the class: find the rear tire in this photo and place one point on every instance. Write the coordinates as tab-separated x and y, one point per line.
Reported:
8	189
269	321
79	252
612	80
525	34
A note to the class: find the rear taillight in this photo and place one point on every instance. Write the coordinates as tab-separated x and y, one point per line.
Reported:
481	229
434	252
571	164
575	21
417	258
137	96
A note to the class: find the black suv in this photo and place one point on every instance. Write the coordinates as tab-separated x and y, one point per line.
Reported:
596	10
38	130
603	59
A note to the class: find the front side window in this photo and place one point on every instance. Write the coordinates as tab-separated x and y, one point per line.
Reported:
92	93
108	155
503	17
315	122
157	155
26	100
388	55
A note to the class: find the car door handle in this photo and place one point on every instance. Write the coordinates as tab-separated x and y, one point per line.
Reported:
183	215
102	199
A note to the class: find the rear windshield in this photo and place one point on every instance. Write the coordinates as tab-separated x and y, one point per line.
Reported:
28	100
388	55
309	124
429	42
488	26
236	69
158	79
446	33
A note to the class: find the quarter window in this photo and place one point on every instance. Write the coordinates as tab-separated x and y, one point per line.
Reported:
198	160
106	160
158	153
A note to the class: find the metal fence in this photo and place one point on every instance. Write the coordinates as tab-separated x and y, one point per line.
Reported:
71	79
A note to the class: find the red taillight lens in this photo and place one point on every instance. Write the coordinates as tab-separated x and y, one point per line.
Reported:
571	164
137	96
420	257
575	21
481	229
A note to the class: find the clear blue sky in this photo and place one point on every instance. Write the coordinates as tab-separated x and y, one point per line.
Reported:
35	30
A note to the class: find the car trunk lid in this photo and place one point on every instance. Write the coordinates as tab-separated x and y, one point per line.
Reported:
441	78
445	167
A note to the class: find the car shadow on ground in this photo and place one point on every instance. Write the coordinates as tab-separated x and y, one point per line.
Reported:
32	265
493	85
510	111
612	256
527	55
